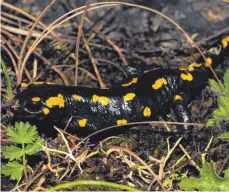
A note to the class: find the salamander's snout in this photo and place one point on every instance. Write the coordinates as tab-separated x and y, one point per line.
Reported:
27	108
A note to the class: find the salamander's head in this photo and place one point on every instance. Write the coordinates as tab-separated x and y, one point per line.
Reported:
38	101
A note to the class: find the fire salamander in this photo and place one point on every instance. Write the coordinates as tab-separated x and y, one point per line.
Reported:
141	99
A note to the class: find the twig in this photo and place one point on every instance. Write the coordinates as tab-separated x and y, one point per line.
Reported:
93	61
141	161
9	6
116	48
11	57
24	32
114	64
184	151
31	179
136	123
79	33
52	26
61	74
224	164
212	36
20	62
78	41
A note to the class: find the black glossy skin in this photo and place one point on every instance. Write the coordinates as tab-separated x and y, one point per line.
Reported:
100	116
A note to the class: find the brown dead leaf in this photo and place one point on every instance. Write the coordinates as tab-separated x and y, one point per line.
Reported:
216	15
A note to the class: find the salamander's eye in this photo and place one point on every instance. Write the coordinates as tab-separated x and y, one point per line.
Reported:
34	104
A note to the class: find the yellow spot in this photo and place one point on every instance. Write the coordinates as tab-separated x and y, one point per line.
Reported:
82	122
36	99
24	85
38	83
121	122
134	80
101	99
77	97
178	97
159	83
129	96
42	82
225	42
50	83
208	62
182	69
46	111
147	112
55	101
187	77
192	66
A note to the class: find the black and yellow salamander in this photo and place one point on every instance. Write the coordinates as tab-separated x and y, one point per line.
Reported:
141	99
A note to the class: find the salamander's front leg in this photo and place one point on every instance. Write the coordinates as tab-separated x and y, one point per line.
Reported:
182	114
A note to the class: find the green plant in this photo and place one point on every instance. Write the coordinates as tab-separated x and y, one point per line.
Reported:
222	112
8	81
224	136
92	183
209	180
29	143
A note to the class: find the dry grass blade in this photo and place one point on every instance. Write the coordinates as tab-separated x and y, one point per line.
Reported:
14	38
177	25
141	161
202	41
136	123
81	69
56	23
184	151
25	14
10	55
61	74
80	30
114	64
18	31
53	26
93	61
18	42
20	68
116	48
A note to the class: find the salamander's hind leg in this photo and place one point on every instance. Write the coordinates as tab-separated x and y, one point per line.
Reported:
182	114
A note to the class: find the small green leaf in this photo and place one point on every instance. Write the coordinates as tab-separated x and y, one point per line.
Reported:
22	133
208	181
226	79
221	113
215	86
210	122
12	152
224	136
224	102
32	149
13	169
